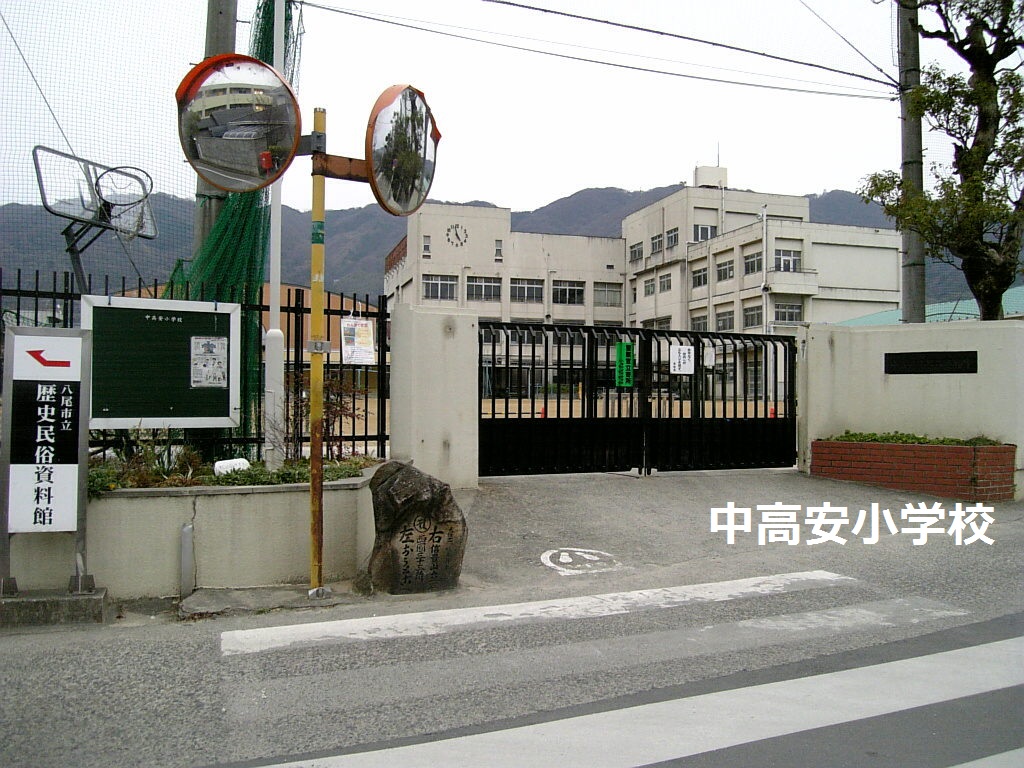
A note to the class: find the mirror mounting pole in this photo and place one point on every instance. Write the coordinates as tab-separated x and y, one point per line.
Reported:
337	167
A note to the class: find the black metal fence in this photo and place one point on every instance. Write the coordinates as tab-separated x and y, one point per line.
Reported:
355	409
565	398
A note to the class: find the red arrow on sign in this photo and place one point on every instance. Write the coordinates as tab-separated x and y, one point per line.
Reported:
37	355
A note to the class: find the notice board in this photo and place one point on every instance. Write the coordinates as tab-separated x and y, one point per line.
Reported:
161	363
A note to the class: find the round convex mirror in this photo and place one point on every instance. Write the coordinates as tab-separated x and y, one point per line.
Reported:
401	148
238	121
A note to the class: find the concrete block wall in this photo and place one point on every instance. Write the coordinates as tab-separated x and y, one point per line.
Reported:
244	536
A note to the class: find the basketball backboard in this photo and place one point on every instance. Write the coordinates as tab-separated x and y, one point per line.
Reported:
114	198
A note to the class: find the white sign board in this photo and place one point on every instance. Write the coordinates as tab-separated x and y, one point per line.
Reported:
680	359
357	342
45	431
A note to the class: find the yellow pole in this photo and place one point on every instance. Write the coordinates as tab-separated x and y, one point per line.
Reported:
316	374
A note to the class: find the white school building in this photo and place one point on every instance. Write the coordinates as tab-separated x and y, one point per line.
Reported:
694	260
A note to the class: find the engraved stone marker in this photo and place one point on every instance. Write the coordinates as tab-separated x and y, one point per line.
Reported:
420	532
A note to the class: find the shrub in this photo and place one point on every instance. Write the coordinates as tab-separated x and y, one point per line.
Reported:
111	474
910	439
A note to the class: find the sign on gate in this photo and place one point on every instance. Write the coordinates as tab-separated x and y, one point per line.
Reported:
45	428
680	359
624	364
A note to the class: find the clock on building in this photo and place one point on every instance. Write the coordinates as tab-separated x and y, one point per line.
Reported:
457	235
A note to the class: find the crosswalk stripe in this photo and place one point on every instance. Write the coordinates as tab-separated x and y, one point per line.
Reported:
393	681
589	606
1012	759
667	730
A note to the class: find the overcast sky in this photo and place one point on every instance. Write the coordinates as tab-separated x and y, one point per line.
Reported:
519	129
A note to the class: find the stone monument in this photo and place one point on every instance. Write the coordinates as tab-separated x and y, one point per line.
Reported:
420	532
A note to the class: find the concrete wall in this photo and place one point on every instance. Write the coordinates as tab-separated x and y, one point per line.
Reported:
244	536
843	384
434	392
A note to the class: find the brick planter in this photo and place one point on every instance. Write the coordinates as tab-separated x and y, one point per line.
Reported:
981	473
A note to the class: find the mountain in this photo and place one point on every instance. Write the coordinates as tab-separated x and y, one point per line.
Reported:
357	240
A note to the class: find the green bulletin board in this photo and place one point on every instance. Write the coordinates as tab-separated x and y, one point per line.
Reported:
160	363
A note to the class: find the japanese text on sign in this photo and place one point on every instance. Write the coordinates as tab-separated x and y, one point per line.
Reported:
680	359
784	523
624	364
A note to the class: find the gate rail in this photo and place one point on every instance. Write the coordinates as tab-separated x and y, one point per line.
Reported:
549	402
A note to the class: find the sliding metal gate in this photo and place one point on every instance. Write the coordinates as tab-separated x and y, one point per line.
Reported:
558	398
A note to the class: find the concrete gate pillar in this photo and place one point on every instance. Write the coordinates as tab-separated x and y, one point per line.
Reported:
434	398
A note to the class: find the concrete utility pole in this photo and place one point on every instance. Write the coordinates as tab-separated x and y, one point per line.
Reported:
913	290
220	38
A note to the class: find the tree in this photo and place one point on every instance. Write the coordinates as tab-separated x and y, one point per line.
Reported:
974	216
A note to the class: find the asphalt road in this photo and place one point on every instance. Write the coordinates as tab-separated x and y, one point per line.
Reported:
600	621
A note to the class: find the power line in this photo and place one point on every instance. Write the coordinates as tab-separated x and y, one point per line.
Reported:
631	67
34	80
889	82
845	40
433	24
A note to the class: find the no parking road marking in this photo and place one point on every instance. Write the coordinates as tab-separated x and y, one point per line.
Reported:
572	561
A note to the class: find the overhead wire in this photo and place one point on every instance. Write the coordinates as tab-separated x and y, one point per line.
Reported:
725	46
39	87
846	40
617	65
382	17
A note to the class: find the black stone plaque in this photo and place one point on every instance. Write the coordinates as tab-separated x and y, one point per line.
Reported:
931	362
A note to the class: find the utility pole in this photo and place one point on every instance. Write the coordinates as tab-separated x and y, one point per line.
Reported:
220	38
913	273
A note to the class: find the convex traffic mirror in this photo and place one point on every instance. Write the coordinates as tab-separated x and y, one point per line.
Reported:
238	121
401	149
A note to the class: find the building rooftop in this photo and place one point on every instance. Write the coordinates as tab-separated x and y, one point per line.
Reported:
947	311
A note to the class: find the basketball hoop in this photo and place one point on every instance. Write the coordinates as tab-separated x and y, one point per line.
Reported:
122	193
96	198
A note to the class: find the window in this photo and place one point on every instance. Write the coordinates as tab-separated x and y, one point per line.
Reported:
497	251
787	261
489	337
568	337
700	277
753	377
483	288
607	295
657	244
426	246
672	238
789	313
441	287
636	251
567	292
752	263
664	283
753	317
658	324
649	286
724	321
526	290
699	323
704	232
723	270
527	336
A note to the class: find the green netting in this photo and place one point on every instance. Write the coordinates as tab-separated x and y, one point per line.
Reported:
228	266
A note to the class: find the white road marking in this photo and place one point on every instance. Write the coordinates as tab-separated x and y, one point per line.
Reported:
1012	759
589	606
662	731
393	682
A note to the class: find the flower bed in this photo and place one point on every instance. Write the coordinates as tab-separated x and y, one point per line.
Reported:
976	473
